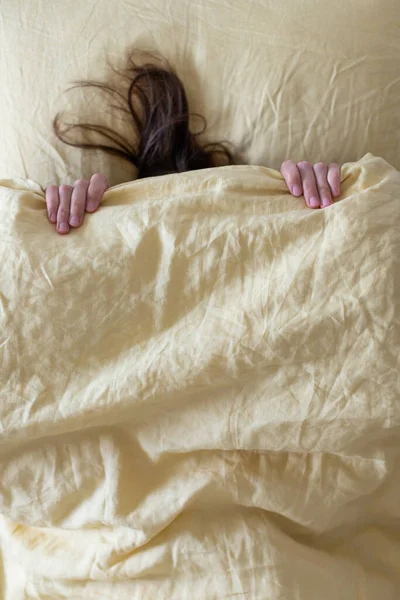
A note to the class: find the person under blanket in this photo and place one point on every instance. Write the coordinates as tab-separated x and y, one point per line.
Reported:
157	103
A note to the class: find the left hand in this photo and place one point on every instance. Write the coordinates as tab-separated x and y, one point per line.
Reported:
319	183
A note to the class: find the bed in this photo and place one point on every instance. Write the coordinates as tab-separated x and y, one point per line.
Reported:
199	388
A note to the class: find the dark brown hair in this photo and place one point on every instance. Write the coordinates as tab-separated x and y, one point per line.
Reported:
157	103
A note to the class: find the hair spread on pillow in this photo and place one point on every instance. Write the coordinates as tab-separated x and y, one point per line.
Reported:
157	104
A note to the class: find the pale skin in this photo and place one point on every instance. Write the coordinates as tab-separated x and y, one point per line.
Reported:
67	204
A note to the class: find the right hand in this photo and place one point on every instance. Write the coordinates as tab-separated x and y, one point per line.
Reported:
67	204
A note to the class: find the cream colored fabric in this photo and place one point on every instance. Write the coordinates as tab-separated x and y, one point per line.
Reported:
199	391
310	80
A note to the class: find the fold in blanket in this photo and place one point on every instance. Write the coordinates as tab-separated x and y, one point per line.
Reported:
199	391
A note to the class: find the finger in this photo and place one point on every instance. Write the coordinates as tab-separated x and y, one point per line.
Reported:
324	191
64	208
97	186
334	178
78	202
292	177
52	202
309	184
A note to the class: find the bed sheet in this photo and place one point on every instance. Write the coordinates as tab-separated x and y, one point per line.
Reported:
199	391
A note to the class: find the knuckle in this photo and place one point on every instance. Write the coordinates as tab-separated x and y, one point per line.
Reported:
309	190
319	166
99	178
286	163
77	209
81	182
334	165
303	164
325	191
65	188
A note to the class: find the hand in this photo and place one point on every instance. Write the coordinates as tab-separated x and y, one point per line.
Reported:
319	184
66	205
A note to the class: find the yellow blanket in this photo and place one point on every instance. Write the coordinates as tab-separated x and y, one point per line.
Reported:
199	393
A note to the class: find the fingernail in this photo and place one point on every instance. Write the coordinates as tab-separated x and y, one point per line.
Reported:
64	227
53	218
74	220
297	190
314	202
91	206
326	202
336	192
